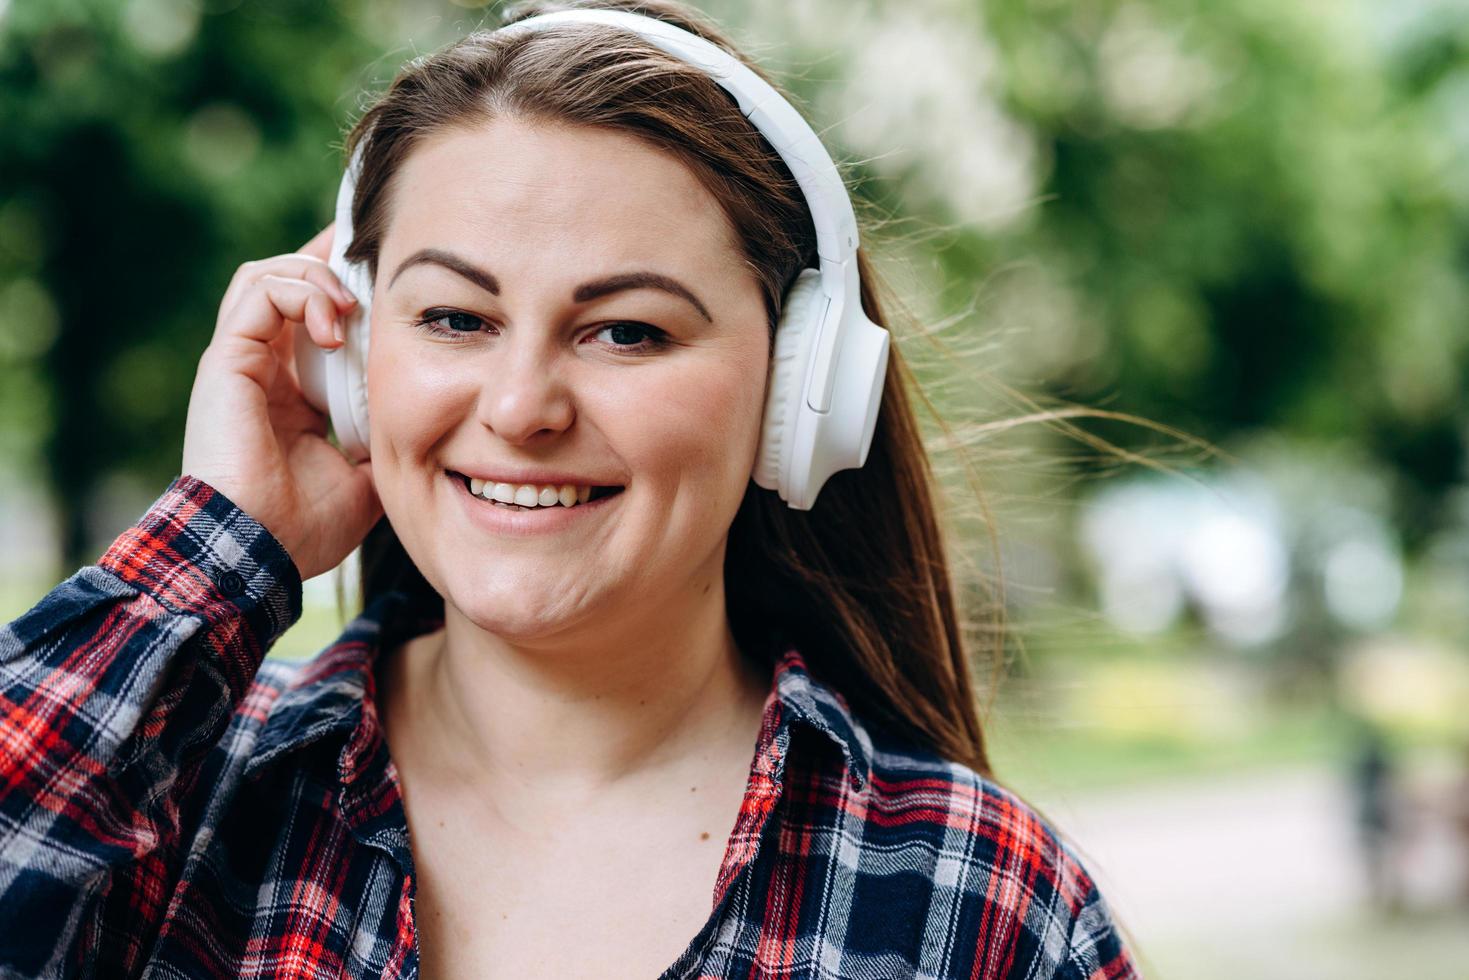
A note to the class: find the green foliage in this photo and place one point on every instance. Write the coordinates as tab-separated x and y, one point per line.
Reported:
1223	216
1262	205
150	149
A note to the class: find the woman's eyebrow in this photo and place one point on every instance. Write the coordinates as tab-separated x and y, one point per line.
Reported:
586	292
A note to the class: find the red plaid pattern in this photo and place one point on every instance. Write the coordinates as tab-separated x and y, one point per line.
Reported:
172	804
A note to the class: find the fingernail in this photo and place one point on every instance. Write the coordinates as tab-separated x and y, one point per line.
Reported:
337	331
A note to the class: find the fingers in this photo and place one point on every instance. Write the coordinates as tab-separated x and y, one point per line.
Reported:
262	308
293	266
266	294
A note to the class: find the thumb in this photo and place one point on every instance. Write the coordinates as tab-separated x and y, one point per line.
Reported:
365	505
344	513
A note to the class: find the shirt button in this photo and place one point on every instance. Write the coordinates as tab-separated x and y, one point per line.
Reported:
230	582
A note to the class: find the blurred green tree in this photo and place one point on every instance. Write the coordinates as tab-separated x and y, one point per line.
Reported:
1262	206
1226	216
150	148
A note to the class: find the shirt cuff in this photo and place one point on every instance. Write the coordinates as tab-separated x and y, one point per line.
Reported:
196	552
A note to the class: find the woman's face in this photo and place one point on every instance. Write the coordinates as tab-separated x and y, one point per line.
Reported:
496	355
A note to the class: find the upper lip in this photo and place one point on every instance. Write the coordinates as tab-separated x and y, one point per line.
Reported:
518	478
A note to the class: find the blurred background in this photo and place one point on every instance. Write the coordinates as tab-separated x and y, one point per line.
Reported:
1193	282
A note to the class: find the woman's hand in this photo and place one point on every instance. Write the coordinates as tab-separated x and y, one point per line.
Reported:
251	433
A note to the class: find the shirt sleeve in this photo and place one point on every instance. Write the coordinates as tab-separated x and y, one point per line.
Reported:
1096	950
114	689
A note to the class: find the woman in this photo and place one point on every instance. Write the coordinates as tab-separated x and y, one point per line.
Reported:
524	758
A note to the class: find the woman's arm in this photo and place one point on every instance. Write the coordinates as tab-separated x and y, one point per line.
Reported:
117	687
1095	950
114	689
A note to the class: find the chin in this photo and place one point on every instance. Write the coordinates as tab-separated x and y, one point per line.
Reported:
519	613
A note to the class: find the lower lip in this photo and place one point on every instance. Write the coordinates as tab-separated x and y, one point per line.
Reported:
540	520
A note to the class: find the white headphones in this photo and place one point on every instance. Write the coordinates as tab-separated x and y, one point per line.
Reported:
827	370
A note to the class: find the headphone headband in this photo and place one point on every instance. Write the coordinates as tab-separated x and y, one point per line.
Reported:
790	135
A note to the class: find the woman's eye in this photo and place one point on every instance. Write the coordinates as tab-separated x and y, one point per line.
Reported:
632	336
624	335
446	322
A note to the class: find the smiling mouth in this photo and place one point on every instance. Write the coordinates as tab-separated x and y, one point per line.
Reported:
535	496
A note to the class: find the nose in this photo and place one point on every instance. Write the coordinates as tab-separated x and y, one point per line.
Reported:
524	397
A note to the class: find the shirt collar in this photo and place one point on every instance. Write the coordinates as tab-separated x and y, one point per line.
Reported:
325	696
816	705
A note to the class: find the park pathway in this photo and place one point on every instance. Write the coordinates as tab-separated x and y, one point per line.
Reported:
1257	875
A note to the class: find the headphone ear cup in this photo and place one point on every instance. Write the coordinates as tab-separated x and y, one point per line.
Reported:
804	302
358	325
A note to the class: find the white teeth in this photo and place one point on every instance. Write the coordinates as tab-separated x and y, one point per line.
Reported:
530	495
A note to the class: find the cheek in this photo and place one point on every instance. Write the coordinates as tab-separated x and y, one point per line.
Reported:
699	423
410	400
412	407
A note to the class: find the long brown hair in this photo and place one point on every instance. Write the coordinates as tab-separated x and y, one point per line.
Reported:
862	583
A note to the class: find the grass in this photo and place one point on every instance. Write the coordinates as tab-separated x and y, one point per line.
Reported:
1032	756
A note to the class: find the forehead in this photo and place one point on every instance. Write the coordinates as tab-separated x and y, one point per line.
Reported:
577	190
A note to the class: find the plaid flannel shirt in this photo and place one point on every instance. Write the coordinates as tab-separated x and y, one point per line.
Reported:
174	805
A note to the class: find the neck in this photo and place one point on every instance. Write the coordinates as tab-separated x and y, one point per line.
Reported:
619	707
